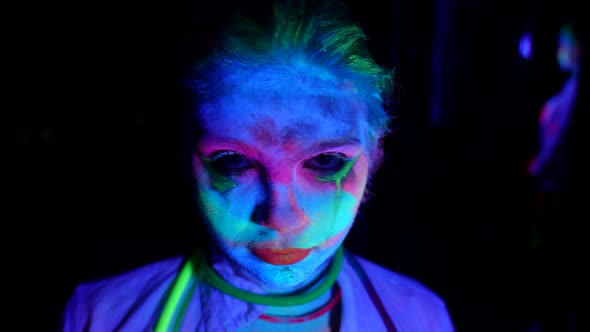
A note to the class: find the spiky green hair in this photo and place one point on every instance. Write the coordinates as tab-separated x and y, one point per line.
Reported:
303	35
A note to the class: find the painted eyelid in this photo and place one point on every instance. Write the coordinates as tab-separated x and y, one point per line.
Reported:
348	150
345	157
212	146
341	154
348	162
340	174
220	153
215	155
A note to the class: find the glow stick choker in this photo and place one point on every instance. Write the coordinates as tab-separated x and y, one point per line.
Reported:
211	277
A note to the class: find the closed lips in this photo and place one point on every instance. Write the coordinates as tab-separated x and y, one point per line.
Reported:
278	256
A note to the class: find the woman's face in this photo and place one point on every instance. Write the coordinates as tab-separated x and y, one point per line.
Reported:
280	173
568	50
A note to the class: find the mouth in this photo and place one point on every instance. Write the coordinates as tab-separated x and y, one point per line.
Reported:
281	256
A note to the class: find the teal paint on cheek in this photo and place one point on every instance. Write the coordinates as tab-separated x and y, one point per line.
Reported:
213	192
330	216
220	182
226	226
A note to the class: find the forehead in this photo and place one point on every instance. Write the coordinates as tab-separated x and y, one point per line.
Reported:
280	106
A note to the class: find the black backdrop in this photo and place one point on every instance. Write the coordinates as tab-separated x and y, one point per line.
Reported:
92	183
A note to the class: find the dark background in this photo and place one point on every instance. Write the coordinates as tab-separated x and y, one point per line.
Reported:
92	182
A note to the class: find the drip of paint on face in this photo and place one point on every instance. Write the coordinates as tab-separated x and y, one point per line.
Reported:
338	176
337	179
219	181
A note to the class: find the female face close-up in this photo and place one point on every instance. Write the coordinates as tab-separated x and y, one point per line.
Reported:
280	170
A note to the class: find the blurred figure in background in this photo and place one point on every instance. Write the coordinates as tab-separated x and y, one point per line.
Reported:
560	173
551	164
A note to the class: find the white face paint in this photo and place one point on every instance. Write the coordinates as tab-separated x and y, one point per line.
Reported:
280	174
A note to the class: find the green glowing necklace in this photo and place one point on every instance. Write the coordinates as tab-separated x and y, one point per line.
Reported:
197	266
276	300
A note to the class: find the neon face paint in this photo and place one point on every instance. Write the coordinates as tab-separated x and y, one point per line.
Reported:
279	179
338	176
219	181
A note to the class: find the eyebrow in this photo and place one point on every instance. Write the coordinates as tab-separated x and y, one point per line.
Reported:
228	142
334	143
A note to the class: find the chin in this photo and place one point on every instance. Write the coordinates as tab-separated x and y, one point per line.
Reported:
282	277
284	283
286	278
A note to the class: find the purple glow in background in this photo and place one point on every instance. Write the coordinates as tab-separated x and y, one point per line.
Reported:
525	46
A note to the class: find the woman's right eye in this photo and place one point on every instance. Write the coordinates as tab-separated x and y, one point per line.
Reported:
230	162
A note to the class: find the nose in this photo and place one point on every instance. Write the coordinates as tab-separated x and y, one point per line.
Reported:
281	210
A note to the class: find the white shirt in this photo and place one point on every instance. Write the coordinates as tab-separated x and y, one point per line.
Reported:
133	301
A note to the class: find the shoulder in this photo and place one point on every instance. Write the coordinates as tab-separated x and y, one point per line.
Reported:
563	97
122	287
404	285
108	303
410	301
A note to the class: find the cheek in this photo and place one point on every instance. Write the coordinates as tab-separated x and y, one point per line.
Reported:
332	205
225	208
355	181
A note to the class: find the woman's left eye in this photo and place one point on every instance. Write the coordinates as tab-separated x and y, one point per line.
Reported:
327	162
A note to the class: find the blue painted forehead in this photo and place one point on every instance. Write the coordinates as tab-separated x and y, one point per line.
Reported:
286	80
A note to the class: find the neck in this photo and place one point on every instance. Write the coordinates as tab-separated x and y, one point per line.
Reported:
302	309
246	290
